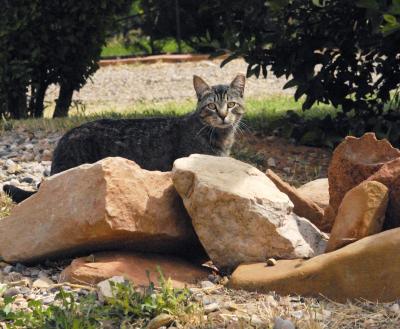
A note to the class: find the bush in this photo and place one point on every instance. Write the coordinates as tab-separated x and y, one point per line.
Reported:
45	42
335	51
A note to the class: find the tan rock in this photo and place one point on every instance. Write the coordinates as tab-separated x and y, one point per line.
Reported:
303	206
110	204
353	161
239	215
317	191
360	214
133	266
366	269
389	175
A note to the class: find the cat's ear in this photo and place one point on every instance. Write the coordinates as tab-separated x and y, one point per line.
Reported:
238	83
200	86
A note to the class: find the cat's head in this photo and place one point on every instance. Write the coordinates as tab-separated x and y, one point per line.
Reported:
220	106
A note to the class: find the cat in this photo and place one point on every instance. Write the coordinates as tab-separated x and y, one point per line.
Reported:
155	143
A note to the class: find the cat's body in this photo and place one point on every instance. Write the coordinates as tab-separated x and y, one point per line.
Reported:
155	143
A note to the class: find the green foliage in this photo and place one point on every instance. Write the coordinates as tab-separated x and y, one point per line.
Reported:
45	42
129	307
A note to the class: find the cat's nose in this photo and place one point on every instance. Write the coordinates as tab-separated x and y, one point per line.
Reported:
223	114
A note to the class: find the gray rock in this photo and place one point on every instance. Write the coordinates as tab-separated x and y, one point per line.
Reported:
12	291
283	324
213	307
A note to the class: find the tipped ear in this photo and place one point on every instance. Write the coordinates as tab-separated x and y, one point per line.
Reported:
200	86
238	83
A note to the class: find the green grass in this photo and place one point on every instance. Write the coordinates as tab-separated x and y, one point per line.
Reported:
262	114
129	307
116	47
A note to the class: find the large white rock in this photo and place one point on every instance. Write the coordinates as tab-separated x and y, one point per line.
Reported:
239	214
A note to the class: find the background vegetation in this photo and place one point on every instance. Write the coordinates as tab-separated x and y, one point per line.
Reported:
336	52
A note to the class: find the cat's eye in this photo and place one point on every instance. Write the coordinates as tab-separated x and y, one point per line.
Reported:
211	106
231	104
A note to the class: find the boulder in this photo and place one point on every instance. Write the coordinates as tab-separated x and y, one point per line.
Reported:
389	175
366	269
317	191
133	266
353	161
110	204
303	206
239	214
360	214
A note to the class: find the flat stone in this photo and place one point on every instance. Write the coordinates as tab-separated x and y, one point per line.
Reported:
366	269
133	266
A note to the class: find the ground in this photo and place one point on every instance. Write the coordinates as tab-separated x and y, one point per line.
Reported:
26	147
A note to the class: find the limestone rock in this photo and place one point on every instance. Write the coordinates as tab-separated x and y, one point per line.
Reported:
353	161
360	214
317	191
239	214
389	175
303	206
105	289
110	204
366	269
133	266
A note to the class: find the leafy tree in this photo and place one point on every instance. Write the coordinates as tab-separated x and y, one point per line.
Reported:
45	42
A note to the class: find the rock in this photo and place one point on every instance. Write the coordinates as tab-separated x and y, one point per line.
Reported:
133	266
112	203
271	261
209	308
360	214
206	284
160	321
105	289
239	215
271	162
303	206
10	292
389	175
42	282
366	269
353	161
317	191
256	321
47	155
280	323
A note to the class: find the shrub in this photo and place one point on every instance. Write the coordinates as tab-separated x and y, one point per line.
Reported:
45	42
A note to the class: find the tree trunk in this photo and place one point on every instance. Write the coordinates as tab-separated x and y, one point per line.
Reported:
39	100
64	101
17	106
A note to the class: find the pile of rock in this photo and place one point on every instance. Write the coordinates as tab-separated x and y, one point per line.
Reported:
360	261
125	220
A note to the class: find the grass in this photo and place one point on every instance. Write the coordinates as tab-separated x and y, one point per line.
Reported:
128	308
116	47
262	114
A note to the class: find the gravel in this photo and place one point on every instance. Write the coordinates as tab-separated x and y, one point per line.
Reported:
165	82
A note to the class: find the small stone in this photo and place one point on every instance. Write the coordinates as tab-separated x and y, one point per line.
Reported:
297	314
206	300
395	308
42	282
27	179
104	287
230	306
283	324
271	162
211	308
19	268
48	299
8	269
256	321
10	292
271	262
160	321
287	170
207	284
47	155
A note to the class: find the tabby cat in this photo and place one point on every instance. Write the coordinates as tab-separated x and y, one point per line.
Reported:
155	143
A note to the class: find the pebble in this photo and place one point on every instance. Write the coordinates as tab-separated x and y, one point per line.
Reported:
8	269
211	308
42	282
271	162
10	292
280	323
272	262
395	308
207	284
160	321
